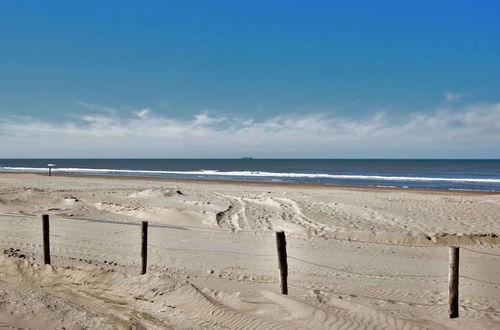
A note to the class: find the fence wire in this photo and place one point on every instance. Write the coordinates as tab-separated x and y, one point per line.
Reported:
325	236
481	252
292	257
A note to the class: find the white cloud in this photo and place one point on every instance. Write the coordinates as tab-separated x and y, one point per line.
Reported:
91	106
143	114
450	97
469	131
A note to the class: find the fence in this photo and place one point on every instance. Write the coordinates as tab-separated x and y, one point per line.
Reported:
157	244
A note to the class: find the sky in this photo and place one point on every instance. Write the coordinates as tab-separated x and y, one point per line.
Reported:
273	79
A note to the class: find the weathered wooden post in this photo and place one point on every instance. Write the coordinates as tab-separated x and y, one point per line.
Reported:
453	282
281	246
144	246
46	239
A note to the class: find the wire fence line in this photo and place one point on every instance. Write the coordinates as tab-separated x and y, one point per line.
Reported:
257	255
326	235
478	280
283	267
481	252
213	251
339	270
361	274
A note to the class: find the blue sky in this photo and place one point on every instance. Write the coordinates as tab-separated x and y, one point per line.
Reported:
242	67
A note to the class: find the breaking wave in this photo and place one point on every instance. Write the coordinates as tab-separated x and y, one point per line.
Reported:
249	174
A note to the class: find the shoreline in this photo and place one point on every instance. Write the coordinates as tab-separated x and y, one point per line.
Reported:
263	183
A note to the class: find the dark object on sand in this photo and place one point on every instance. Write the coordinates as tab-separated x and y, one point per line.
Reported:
453	282
144	246
281	246
46	239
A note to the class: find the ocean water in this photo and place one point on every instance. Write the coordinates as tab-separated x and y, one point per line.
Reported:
435	174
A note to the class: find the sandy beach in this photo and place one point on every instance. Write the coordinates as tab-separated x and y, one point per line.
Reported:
249	165
358	257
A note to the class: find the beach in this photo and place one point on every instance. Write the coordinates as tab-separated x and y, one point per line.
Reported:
249	165
359	257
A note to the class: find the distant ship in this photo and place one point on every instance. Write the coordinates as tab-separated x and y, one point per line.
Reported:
246	158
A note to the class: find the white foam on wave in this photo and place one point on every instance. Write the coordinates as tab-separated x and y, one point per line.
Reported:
253	174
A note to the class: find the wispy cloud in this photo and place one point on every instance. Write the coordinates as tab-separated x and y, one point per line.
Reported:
450	97
92	106
468	131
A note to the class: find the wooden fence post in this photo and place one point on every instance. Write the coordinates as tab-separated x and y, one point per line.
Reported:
453	282
144	246
281	246
46	239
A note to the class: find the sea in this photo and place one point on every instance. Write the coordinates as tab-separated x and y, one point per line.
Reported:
482	175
